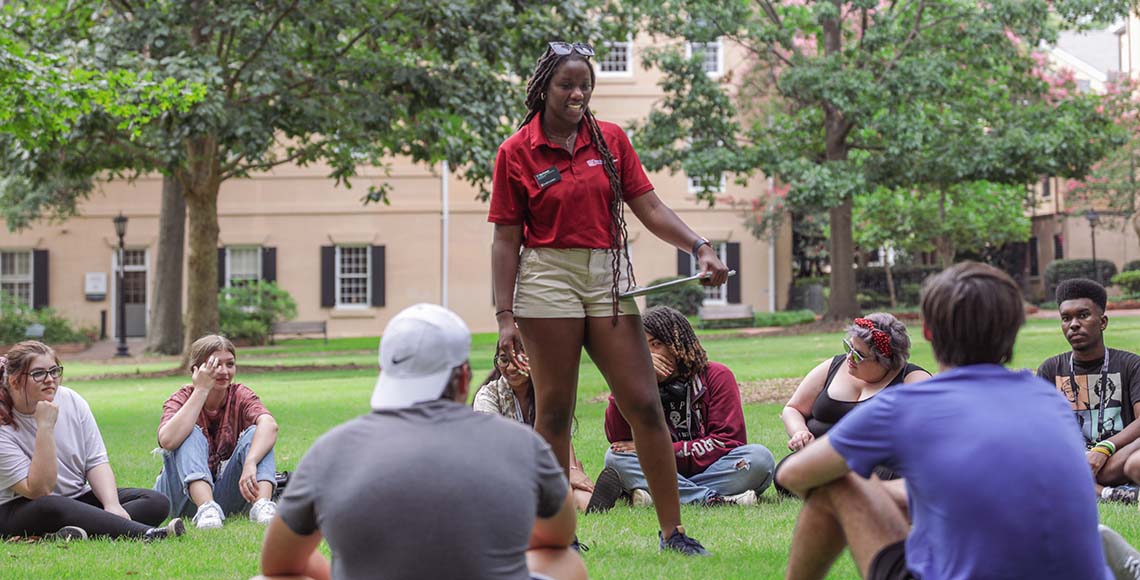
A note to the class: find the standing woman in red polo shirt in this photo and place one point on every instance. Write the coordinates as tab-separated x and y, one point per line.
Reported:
560	187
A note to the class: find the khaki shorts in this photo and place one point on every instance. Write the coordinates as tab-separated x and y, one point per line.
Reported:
568	283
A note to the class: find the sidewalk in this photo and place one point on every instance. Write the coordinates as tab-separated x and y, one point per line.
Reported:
104	350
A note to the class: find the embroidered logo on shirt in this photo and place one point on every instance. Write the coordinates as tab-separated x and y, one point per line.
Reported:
593	162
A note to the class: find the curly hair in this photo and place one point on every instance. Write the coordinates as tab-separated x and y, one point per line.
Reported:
13	364
896	330
672	328
1075	288
536	89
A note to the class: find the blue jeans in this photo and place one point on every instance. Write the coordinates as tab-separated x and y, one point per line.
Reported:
190	463
744	468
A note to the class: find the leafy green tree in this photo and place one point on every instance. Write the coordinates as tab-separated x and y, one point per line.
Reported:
339	82
838	99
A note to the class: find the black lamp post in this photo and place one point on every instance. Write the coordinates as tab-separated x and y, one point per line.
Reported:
120	302
1094	219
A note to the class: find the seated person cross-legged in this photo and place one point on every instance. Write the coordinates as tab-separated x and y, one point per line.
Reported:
715	464
878	349
55	477
950	440
218	440
430	489
509	392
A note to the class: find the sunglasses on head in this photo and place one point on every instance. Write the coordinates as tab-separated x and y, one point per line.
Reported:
565	48
39	375
856	356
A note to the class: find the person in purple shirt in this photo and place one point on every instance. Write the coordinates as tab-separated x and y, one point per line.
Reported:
950	438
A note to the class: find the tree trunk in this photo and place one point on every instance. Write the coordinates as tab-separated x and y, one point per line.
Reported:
890	280
202	185
943	245
165	335
842	304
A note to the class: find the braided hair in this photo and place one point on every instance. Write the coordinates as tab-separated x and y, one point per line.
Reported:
536	88
673	329
14	364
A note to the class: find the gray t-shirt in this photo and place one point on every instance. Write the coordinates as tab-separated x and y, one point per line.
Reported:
78	447
434	490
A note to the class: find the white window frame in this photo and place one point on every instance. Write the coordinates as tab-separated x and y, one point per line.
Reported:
229	263
695	185
718	44
30	278
714	295
337	276
628	72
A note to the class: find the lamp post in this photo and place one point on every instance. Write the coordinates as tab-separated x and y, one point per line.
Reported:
1093	218
120	301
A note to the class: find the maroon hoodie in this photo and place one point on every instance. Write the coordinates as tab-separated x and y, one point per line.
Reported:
715	422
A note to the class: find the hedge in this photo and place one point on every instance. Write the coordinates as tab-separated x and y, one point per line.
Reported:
686	298
1060	270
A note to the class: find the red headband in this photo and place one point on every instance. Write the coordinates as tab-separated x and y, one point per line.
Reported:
878	337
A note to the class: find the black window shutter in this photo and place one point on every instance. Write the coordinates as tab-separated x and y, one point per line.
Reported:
328	276
221	268
684	264
732	256
377	275
39	278
269	264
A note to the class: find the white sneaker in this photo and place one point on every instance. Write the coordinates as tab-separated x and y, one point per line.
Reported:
209	516
1122	558
746	498
263	511
640	497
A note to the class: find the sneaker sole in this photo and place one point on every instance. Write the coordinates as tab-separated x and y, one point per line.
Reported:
176	527
606	491
67	534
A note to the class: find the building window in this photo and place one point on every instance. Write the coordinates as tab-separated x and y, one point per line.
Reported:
16	277
712	55
243	264
1046	189
618	61
704	184
1034	265
1058	247
352	276
713	294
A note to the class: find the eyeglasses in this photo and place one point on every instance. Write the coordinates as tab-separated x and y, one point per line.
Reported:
565	48
503	360
39	375
856	356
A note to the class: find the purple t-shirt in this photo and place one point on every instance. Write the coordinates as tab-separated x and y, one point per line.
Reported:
992	494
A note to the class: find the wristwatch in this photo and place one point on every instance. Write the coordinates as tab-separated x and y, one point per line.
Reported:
697	245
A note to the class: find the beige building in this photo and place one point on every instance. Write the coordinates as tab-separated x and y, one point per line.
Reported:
355	266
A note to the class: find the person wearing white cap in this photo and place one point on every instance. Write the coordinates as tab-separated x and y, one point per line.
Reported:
385	488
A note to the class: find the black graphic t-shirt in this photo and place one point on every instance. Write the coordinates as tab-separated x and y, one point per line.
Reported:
677	414
1094	391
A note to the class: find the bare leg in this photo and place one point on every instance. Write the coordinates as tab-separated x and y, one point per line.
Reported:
622	355
201	492
264	490
554	348
849	511
1123	467
563	564
581	499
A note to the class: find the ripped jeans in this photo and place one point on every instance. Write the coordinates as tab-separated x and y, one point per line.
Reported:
189	463
722	477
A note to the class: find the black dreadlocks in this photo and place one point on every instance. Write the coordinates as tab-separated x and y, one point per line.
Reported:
673	329
535	102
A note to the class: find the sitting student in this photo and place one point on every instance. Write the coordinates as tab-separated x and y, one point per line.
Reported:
389	513
1106	412
706	420
949	437
218	440
55	479
509	392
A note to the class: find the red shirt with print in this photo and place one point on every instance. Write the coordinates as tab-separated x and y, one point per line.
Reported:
239	410
573	212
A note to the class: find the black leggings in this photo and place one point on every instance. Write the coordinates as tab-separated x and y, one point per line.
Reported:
37	517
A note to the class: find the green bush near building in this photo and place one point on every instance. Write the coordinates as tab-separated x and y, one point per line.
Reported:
18	322
1061	270
1129	282
685	298
247	312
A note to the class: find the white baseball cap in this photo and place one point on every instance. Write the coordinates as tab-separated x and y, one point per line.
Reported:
420	347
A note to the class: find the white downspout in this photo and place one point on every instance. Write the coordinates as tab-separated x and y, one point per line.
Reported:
444	218
771	257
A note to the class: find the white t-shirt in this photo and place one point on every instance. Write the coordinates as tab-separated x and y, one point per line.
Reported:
78	446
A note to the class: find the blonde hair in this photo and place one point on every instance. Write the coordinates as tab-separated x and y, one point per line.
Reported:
202	348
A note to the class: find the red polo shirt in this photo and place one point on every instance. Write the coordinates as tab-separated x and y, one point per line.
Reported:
573	212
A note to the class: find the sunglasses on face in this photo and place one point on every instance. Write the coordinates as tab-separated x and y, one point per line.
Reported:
856	356
565	48
39	375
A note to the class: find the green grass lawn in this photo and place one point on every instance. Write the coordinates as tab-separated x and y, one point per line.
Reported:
749	542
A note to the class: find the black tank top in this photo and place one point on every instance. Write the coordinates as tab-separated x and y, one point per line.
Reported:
826	412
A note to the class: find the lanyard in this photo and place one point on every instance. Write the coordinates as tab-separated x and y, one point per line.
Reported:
1103	383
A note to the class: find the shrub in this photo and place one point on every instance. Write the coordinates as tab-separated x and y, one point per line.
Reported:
1130	266
1129	281
16	317
247	312
1061	270
784	318
871	284
685	298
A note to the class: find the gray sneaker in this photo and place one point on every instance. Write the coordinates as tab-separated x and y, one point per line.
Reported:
1122	558
67	534
171	530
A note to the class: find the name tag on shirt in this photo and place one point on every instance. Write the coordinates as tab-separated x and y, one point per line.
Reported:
547	177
